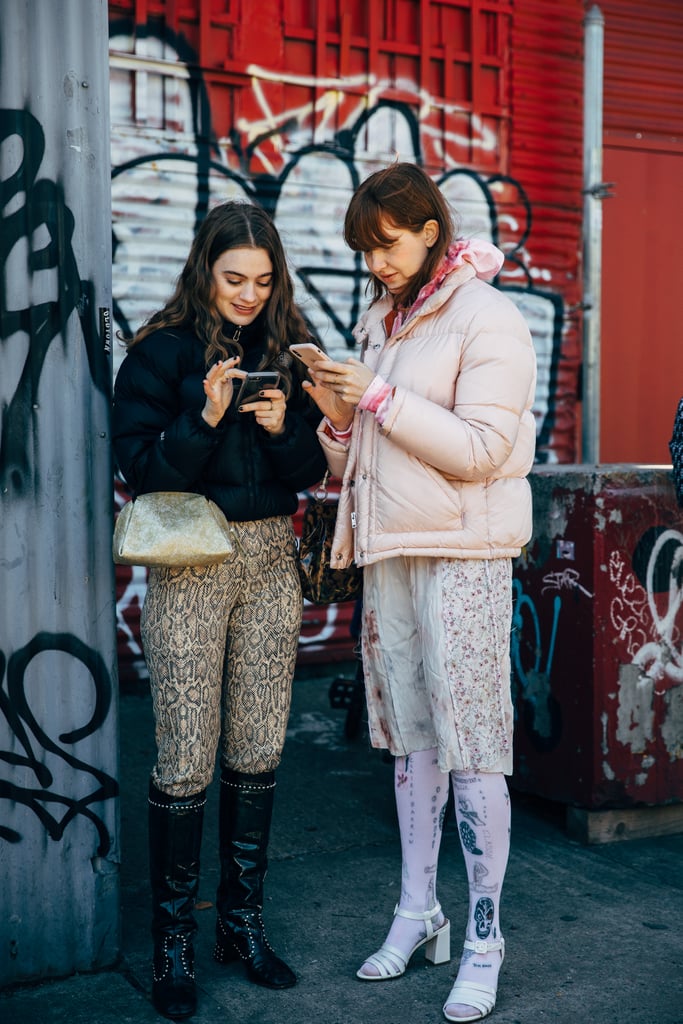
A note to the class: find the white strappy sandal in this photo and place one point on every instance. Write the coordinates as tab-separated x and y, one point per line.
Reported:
391	962
471	993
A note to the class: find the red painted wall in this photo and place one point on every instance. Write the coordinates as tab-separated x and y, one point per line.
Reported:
290	103
642	332
641	324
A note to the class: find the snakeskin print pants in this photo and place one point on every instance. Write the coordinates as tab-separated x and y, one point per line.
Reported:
220	643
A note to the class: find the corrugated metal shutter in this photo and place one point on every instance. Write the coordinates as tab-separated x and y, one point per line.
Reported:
643	93
546	156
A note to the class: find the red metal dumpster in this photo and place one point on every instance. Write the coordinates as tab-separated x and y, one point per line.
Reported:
597	639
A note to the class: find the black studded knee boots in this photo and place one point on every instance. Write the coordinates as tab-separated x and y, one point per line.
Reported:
246	808
175	836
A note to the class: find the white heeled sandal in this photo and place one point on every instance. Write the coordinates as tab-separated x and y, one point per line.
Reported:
391	962
471	993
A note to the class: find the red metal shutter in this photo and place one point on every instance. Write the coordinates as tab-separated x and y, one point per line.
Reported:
546	156
643	94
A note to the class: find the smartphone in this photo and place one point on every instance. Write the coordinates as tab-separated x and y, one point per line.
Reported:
255	382
308	353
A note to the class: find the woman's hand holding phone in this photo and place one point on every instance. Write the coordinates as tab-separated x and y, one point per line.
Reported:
261	395
315	359
338	388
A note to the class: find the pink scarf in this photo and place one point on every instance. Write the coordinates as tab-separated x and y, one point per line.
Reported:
483	256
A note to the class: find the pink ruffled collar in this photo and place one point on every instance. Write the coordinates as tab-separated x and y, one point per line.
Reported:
485	258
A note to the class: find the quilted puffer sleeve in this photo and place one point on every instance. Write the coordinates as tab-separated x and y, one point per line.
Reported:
158	444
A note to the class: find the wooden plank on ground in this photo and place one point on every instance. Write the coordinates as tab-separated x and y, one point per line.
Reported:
592	827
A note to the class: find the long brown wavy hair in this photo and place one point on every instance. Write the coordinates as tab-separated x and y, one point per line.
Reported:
405	197
232	225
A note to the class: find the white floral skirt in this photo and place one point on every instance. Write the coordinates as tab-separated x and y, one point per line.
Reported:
436	659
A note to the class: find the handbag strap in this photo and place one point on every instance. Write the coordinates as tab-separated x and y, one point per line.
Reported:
321	489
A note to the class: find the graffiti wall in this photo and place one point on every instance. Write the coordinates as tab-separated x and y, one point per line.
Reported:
278	105
58	740
290	105
297	141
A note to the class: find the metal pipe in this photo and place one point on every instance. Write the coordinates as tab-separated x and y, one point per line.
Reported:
593	194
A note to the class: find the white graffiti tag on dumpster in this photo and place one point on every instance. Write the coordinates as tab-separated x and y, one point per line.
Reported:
568	579
650	704
662	659
628	609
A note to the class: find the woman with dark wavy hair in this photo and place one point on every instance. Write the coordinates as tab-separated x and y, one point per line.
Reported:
220	641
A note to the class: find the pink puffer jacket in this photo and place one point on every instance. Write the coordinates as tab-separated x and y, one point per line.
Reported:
445	475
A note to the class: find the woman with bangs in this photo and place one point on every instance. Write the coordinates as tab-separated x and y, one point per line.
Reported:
433	434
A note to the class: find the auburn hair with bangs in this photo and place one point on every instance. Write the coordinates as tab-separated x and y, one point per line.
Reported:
404	197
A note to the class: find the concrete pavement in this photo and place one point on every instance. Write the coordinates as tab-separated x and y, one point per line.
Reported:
593	933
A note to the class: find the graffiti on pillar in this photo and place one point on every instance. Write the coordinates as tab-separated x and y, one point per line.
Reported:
36	259
662	659
38	756
42	289
628	606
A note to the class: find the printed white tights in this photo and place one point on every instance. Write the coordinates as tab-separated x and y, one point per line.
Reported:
421	795
482	808
482	811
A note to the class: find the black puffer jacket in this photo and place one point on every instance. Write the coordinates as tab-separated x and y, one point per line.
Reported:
162	443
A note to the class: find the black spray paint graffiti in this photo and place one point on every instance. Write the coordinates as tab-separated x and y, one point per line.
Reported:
322	280
54	810
333	287
35	215
36	234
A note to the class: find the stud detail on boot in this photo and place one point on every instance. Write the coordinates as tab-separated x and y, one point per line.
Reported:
175	834
174	993
241	934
